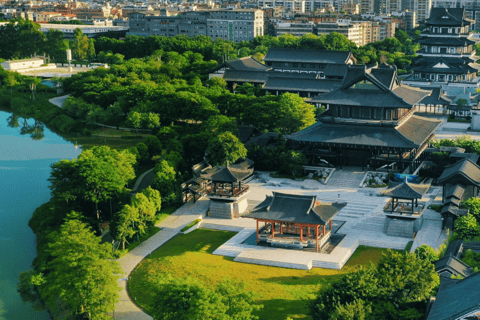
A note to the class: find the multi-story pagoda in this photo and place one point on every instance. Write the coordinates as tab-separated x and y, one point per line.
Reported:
447	57
369	121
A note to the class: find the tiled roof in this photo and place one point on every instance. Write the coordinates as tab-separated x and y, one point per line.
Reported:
453	265
456	298
454	248
310	85
246	132
307	55
453	209
411	134
297	209
335	70
227	174
247	64
446	41
455	17
418	129
463	168
261	76
405	190
435	98
383	90
456	190
245	76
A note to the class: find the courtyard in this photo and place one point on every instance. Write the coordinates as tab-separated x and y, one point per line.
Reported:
283	292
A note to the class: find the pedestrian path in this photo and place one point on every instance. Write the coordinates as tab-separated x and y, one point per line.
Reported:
125	309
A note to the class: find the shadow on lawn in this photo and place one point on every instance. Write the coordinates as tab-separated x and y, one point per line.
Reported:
321	280
281	309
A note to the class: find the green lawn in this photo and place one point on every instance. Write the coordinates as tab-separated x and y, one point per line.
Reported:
283	292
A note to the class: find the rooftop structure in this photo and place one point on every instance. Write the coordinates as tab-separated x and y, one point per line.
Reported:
447	57
369	122
457	299
295	220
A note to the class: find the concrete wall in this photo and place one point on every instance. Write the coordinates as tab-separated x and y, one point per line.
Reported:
221	210
239	207
475	121
406	228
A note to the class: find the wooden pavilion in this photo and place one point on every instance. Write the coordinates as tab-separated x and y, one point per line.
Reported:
295	221
404	191
227	181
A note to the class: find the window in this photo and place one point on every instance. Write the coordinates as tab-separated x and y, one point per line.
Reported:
312	65
304	65
295	65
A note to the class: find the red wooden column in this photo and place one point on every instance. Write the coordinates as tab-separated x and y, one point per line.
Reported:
301	233
281	228
258	237
323	234
316	237
330	225
308	231
273	229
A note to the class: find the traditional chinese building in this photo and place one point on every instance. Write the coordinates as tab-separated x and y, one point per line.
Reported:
227	190
447	56
295	221
369	121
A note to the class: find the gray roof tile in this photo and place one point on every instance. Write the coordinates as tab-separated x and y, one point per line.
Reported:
464	168
406	190
410	134
293	208
456	298
307	55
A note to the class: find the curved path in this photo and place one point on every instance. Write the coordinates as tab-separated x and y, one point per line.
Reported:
125	309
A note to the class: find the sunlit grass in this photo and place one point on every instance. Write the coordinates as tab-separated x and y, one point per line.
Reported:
283	292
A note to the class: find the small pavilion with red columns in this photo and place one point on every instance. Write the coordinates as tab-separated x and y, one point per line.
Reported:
295	221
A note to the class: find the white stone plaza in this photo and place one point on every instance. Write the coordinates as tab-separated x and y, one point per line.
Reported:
363	216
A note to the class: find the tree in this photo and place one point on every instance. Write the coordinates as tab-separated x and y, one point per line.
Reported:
226	148
425	252
164	181
80	45
390	290
295	114
466	227
82	273
189	299
98	174
124	224
473	206
105	172
219	123
56	46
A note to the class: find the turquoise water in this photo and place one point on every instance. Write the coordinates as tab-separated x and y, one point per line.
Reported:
24	170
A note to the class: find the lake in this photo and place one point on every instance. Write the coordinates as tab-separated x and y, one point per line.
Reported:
24	169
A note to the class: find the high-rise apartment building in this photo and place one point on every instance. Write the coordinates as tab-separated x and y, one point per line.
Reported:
422	9
229	24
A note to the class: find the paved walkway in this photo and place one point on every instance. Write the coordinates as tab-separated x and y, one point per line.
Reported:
125	308
59	101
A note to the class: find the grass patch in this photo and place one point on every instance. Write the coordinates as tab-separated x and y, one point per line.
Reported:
283	292
436	207
191	224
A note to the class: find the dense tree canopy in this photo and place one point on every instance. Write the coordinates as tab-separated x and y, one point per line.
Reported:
226	148
397	288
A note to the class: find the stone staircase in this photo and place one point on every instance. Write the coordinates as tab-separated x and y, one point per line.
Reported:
349	177
357	209
371	224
